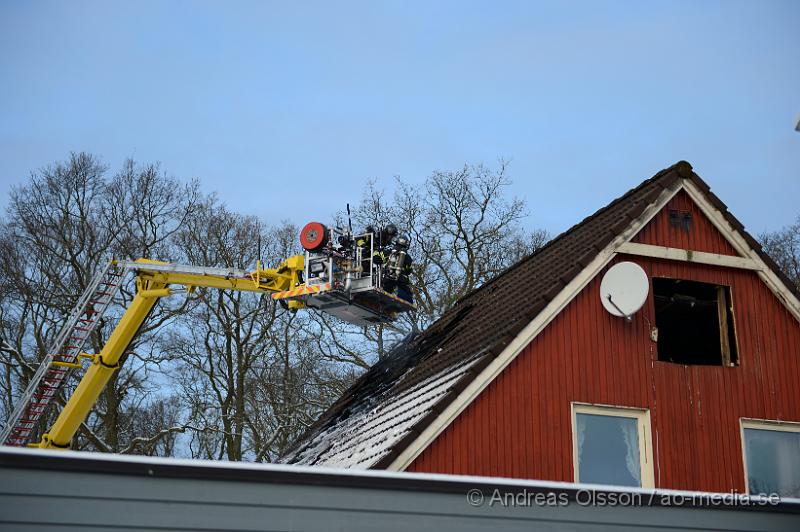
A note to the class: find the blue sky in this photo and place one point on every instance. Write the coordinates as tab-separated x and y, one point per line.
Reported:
286	109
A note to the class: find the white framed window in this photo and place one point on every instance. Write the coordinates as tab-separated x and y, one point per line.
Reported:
612	445
771	457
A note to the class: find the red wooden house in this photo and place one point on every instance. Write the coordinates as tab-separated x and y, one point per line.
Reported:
530	377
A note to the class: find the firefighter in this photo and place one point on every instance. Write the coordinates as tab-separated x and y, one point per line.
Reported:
398	268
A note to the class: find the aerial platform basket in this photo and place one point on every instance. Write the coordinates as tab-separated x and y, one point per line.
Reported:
341	279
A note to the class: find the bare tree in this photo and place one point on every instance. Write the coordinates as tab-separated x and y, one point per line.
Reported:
52	238
784	248
59	228
244	363
464	231
292	385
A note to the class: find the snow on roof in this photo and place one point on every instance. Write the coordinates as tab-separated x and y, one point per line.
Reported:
369	433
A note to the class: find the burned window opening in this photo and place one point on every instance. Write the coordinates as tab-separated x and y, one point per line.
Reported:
695	323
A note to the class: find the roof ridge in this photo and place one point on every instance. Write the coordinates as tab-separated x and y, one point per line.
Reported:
680	167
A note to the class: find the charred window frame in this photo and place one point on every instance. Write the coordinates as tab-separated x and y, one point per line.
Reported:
695	323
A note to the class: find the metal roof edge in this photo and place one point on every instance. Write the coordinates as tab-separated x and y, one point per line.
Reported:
157	467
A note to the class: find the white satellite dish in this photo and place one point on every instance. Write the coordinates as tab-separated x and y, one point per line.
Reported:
624	289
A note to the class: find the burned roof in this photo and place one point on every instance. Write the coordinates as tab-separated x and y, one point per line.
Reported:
398	397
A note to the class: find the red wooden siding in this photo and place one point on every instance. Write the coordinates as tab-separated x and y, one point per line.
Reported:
520	426
703	236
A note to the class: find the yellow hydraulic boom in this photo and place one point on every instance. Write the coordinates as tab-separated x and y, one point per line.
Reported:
154	280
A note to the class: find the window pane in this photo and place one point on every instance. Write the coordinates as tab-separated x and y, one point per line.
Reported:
608	450
773	461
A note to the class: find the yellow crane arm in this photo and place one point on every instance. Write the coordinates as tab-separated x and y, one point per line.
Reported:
153	280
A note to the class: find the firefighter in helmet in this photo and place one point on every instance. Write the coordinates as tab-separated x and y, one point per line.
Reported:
397	269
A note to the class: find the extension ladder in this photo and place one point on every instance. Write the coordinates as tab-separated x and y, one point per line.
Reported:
64	354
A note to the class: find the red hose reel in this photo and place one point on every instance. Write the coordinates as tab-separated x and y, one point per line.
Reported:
314	236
